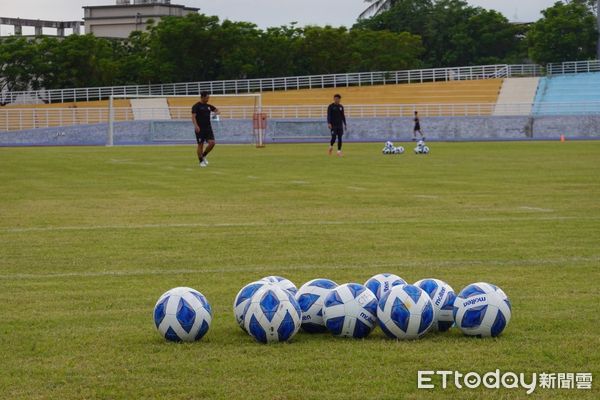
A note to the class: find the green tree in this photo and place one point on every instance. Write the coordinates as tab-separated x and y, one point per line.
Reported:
324	50
404	16
494	39
20	64
78	61
453	33
567	32
384	50
279	52
186	49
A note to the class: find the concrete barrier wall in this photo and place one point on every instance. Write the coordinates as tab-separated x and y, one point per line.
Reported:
359	129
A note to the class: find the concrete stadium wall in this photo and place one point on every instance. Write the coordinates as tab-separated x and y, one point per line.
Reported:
359	129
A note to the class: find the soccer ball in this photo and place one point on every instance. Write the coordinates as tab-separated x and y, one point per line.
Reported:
405	312
482	309
389	144
182	314
272	315
242	299
425	150
442	296
398	150
350	310
282	283
310	298
421	143
381	283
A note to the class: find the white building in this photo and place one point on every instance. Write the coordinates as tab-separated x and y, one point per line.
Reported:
126	16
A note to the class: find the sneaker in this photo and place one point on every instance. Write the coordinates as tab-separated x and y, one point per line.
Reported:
206	160
203	164
339	153
330	150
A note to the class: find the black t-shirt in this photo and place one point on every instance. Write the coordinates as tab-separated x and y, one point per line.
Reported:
335	115
202	112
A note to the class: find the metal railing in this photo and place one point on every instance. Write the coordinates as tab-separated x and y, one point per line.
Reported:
17	119
272	84
573	67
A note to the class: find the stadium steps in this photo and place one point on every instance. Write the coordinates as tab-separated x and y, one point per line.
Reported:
150	109
573	88
516	91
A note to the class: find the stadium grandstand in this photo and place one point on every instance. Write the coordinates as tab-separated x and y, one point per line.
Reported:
484	102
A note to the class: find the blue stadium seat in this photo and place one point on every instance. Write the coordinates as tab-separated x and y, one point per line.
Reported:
568	95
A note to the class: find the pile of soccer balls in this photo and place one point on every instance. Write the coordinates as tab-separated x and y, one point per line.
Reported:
421	148
273	309
389	148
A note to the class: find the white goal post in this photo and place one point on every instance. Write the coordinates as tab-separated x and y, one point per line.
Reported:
165	107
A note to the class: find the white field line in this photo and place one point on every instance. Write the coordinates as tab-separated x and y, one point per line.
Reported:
278	269
536	209
356	188
412	221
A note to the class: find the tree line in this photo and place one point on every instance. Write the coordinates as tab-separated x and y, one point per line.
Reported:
412	34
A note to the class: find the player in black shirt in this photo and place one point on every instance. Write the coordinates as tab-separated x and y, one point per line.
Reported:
417	127
201	113
336	120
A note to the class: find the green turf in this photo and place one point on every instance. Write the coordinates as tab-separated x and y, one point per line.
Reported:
90	238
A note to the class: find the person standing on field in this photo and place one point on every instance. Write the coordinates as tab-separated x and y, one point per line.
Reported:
417	127
201	113
336	121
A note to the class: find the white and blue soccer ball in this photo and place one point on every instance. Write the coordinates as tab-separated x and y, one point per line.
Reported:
311	297
442	296
350	310
482	309
381	283
282	283
182	314
386	150
425	150
272	315
399	150
405	312
243	298
389	144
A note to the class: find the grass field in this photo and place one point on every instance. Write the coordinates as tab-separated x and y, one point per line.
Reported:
91	237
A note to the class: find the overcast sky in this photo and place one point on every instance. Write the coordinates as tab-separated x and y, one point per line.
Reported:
262	12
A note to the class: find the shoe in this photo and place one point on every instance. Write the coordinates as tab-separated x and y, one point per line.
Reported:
206	161
203	164
329	151
339	153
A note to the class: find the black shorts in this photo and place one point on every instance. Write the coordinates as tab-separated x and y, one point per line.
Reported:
337	130
204	136
417	127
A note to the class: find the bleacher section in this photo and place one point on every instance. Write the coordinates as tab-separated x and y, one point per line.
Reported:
458	92
431	93
40	115
516	91
572	88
